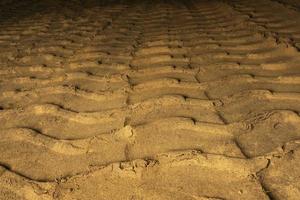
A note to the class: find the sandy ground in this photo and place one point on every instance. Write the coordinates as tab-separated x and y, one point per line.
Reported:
150	100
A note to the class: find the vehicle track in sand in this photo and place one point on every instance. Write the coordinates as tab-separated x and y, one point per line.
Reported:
193	100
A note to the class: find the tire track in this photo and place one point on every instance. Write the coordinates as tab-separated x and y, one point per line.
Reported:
94	94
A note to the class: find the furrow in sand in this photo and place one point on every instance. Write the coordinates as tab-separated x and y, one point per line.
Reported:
68	97
241	104
148	74
232	173
250	58
285	25
291	4
59	123
148	89
158	60
166	86
40	59
121	145
226	86
255	136
232	84
81	80
136	76
211	72
171	106
97	67
56	122
149	100
30	71
281	177
245	104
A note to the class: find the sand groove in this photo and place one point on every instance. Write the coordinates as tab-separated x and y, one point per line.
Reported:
193	100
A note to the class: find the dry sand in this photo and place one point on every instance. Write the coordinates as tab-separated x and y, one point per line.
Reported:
150	100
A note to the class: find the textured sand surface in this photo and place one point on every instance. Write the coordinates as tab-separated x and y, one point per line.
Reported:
150	100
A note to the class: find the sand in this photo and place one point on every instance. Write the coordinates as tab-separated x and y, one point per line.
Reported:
150	100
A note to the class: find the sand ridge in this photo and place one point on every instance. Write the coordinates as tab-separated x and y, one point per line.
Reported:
187	100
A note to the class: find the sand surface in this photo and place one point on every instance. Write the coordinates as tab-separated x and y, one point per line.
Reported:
150	100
